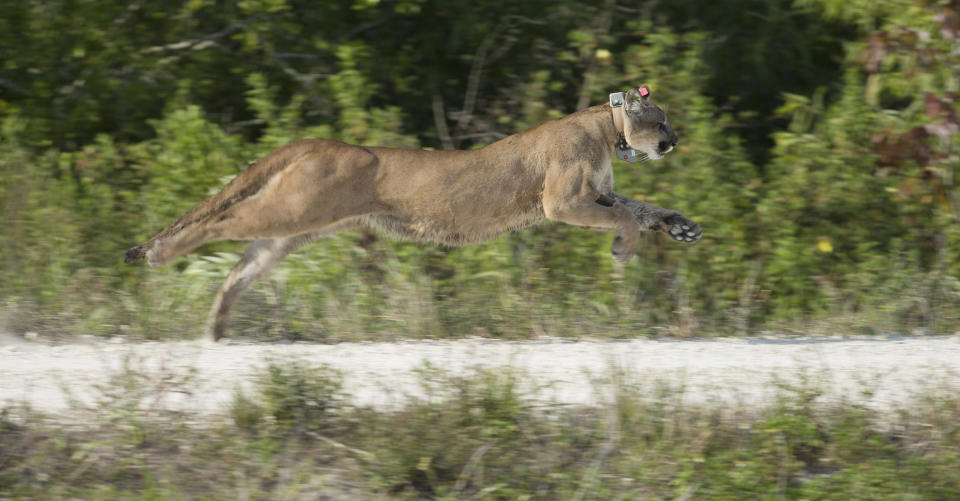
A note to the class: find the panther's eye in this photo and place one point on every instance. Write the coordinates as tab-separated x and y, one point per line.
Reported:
663	127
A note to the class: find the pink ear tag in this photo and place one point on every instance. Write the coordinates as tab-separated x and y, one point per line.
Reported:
644	91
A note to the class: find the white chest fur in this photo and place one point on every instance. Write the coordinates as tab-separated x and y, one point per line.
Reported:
602	178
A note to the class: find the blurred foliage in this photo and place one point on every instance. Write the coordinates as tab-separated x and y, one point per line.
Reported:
819	150
480	435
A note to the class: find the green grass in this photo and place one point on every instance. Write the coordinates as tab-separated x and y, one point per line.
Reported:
294	436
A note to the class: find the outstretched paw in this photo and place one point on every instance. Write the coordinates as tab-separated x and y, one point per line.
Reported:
681	229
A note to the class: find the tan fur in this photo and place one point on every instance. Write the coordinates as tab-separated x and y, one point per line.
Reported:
560	170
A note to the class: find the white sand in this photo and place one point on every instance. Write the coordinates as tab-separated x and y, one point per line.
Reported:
384	374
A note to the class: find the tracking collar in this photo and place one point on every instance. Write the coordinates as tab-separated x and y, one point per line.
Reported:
623	149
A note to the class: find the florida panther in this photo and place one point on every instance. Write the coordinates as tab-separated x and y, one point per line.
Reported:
560	170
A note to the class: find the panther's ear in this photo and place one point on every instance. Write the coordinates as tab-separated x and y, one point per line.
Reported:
637	99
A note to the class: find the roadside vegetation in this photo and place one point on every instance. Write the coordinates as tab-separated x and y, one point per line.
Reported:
819	151
293	435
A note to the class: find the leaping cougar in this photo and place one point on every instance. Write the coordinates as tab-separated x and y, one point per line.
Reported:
560	170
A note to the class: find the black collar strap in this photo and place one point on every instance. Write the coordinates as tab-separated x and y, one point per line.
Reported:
622	149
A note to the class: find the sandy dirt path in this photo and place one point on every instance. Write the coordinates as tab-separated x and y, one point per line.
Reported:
385	374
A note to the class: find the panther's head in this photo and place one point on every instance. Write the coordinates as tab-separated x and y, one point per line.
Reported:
645	125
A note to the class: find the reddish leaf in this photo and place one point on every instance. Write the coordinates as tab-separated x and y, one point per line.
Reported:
943	130
949	24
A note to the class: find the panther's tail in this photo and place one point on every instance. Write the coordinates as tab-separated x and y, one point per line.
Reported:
135	253
245	185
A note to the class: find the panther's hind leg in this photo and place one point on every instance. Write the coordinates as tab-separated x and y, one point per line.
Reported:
257	262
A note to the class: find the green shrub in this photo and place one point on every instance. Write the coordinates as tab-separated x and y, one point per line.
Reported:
818	154
296	396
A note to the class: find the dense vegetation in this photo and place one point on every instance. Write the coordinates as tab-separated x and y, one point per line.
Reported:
819	151
478	437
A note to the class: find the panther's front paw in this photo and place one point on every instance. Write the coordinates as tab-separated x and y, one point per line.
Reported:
681	228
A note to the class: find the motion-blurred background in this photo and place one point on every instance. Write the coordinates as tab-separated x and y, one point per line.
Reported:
819	151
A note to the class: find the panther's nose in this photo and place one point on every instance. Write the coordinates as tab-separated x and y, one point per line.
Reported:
674	141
